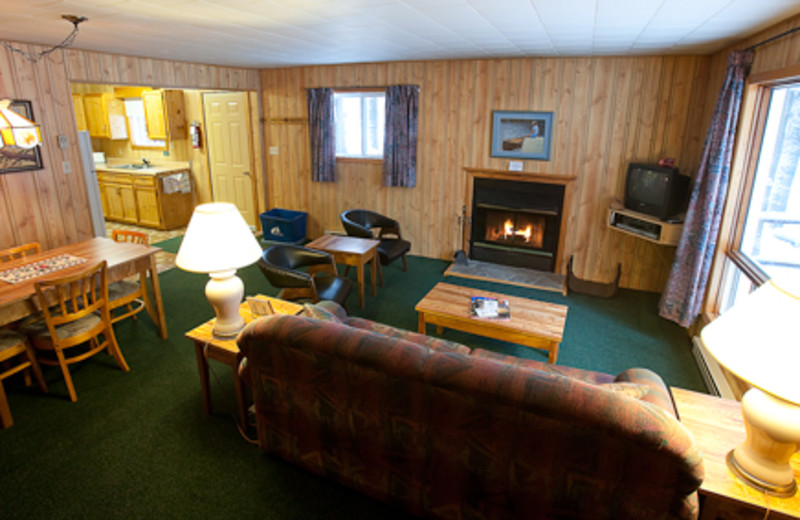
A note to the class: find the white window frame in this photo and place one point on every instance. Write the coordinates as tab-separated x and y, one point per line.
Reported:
735	273
364	95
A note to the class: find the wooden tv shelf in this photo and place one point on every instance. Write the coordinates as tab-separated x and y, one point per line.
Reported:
644	226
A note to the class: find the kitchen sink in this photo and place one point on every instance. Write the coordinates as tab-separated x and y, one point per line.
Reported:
135	166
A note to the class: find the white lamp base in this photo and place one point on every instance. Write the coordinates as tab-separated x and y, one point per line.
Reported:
773	433
225	292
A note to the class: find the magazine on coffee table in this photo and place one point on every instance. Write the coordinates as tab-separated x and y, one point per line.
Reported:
484	307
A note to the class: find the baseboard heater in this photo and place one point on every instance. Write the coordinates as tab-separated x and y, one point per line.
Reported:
712	373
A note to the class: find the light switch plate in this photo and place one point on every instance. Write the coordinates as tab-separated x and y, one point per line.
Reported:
67	167
274	150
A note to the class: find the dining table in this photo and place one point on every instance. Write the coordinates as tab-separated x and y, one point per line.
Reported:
123	260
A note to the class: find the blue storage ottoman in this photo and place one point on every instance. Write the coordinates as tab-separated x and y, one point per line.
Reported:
284	225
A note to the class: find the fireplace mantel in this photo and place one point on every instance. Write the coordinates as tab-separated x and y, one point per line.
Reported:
547	178
564	180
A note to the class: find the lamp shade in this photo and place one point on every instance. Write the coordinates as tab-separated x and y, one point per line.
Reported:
758	339
16	130
217	239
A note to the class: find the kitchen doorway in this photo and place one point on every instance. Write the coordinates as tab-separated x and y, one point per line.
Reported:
229	151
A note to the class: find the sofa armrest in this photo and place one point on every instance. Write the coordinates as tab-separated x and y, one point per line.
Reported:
655	390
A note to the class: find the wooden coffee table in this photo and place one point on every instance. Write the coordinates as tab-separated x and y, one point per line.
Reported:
533	323
351	251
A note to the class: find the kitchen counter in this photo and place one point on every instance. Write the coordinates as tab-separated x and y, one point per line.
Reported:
159	196
154	169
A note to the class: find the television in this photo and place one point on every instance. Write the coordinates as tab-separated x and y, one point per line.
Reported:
658	191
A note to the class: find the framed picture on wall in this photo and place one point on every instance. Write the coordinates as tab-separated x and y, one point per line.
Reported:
522	135
14	158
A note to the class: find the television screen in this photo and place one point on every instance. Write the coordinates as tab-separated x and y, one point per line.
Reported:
654	190
649	186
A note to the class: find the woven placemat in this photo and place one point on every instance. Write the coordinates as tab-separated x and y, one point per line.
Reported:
40	268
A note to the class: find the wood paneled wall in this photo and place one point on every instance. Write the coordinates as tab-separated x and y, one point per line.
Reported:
48	205
607	112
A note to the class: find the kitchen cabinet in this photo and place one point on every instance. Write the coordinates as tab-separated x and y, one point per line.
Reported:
145	198
164	114
105	116
80	112
117	197
147	201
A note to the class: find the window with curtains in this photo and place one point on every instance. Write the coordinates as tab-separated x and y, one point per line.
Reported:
766	238
360	120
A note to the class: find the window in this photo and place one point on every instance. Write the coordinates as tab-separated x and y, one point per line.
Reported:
768	234
137	125
360	118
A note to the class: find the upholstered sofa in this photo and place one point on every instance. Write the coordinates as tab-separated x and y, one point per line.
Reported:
443	431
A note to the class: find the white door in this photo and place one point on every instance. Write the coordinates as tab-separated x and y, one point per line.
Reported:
229	157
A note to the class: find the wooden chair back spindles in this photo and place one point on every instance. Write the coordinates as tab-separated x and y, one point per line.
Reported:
76	311
126	235
13	253
130	295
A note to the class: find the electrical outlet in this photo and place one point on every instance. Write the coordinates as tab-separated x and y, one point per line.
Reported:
67	167
274	150
63	142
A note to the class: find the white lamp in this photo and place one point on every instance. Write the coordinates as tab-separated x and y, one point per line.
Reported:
758	339
218	241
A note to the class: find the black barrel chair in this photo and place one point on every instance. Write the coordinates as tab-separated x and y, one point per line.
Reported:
282	265
361	222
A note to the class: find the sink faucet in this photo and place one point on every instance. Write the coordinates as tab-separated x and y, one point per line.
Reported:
146	161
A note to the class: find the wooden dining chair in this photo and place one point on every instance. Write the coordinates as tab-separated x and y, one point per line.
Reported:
125	293
76	313
16	355
6	255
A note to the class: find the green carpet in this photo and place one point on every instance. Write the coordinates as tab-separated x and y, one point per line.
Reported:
139	445
171	245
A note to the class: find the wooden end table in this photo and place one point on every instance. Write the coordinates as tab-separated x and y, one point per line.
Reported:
533	323
717	427
351	251
225	350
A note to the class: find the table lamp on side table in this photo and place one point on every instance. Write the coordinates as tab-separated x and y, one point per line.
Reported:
218	241
758	339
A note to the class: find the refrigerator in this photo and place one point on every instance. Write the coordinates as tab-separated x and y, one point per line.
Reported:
92	188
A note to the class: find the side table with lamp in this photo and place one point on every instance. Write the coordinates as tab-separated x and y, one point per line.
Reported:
758	340
218	241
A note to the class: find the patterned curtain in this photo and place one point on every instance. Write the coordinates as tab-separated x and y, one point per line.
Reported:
686	286
400	139
321	132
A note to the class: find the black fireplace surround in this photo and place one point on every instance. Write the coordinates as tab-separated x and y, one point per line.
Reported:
516	223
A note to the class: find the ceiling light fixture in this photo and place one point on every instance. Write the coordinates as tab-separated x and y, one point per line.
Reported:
34	57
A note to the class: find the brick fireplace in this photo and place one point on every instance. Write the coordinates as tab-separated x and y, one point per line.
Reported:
518	219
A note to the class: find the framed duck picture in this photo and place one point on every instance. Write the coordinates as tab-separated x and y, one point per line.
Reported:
522	135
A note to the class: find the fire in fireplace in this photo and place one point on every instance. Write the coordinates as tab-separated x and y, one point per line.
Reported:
515	229
516	223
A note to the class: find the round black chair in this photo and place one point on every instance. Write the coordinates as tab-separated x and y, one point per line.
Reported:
361	222
282	265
